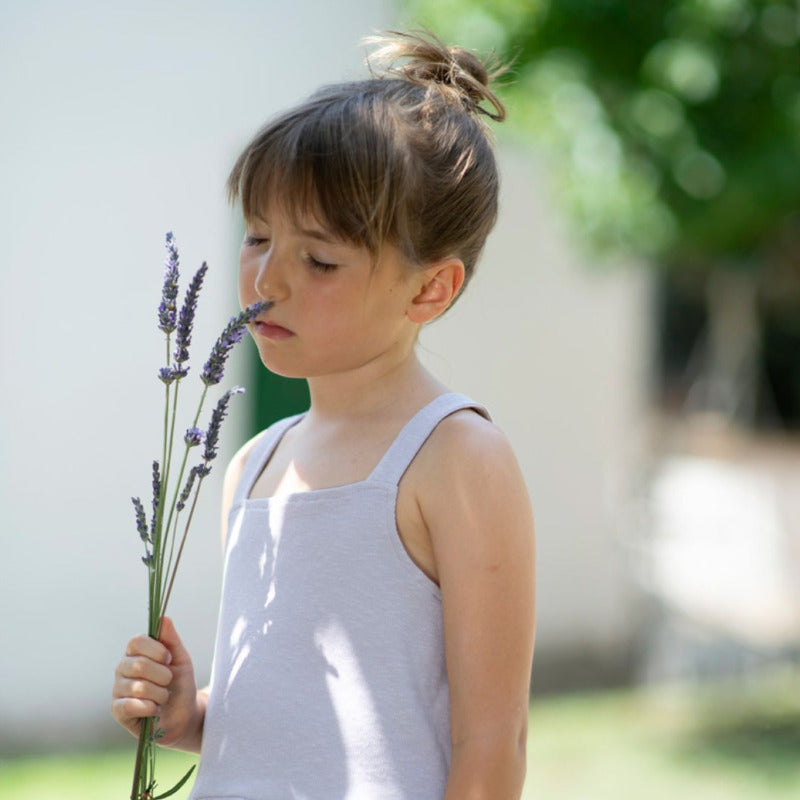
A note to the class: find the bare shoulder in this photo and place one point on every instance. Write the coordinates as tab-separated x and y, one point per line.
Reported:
472	493
466	429
465	447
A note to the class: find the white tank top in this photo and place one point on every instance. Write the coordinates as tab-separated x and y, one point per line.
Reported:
329	679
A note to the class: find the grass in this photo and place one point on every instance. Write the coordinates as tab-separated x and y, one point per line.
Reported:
729	742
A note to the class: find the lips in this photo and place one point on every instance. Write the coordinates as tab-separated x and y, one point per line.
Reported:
270	330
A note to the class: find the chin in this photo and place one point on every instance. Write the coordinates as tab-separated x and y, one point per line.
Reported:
284	370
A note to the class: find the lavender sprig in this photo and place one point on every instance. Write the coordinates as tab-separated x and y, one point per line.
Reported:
187	489
233	333
161	536
156	498
217	415
141	521
167	309
183	338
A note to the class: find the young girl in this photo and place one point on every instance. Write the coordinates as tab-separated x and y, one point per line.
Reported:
376	627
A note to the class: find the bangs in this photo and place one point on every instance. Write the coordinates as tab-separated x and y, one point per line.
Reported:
332	162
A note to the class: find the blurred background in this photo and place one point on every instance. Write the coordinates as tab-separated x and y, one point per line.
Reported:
634	327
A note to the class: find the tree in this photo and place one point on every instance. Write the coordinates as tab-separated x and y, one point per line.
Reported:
674	127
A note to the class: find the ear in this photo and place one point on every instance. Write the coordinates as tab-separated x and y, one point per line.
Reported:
438	287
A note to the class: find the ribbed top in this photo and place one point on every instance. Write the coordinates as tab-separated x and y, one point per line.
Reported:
329	678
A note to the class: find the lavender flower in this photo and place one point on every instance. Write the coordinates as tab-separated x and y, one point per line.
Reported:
156	497
167	309
233	333
186	319
141	522
166	375
193	436
148	560
187	489
217	415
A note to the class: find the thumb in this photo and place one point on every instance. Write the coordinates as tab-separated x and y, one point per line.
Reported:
168	636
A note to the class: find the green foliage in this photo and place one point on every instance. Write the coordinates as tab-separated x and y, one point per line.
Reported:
673	125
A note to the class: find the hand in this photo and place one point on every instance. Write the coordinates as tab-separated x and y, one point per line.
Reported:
156	678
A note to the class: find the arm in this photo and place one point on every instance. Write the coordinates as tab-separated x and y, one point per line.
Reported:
481	526
157	677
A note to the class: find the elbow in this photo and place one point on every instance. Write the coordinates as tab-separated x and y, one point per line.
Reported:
489	769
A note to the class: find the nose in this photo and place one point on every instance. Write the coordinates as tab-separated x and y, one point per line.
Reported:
270	278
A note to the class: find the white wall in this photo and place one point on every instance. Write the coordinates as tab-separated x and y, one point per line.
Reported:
120	123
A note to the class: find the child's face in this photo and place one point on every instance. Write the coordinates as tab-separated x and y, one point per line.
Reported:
336	311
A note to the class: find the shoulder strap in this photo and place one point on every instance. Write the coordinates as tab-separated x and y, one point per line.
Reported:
416	431
261	453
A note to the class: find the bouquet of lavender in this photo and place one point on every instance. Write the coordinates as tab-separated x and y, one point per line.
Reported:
174	488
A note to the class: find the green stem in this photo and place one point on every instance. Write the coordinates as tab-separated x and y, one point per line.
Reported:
155	594
157	526
142	760
164	532
178	483
180	549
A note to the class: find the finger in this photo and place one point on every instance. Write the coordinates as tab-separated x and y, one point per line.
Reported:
150	648
127	709
169	638
144	669
141	690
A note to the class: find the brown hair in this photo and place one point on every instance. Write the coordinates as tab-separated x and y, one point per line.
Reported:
402	156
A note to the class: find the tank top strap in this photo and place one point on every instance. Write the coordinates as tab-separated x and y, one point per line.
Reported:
416	431
261	453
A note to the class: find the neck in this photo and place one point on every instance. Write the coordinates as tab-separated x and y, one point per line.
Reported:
369	392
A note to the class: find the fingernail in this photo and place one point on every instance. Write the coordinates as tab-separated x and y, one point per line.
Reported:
169	658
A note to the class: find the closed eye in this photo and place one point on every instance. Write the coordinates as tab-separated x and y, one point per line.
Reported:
322	266
254	241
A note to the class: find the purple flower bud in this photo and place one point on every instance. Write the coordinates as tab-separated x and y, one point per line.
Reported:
141	522
202	470
187	488
186	319
193	436
166	375
167	308
156	496
217	415
148	560
233	333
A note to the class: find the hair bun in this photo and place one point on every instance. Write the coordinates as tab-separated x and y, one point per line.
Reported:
430	61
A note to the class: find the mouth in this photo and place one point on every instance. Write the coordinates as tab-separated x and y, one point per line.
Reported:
270	330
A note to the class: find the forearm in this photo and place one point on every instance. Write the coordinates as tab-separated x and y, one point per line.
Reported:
487	771
192	739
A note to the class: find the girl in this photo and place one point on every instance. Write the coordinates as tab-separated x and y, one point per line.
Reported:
376	626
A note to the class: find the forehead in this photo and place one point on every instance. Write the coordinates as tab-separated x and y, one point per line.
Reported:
307	225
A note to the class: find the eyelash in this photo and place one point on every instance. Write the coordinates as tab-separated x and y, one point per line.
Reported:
322	266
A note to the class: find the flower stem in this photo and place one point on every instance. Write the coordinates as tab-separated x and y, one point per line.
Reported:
144	736
179	481
180	549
